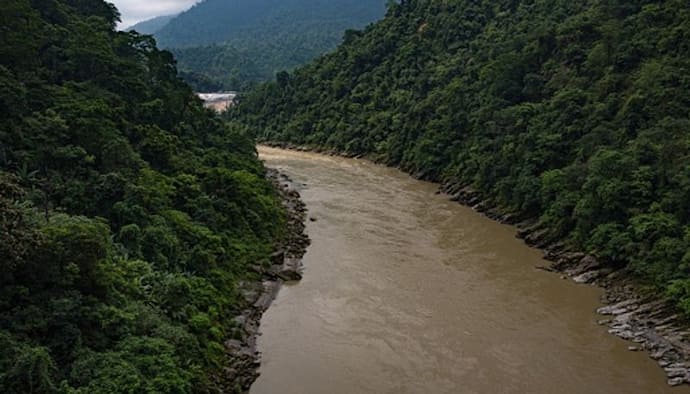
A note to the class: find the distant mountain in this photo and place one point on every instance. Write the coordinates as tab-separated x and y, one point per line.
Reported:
217	21
151	26
240	42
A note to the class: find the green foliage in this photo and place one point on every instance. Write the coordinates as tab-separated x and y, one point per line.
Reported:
571	113
221	44
128	212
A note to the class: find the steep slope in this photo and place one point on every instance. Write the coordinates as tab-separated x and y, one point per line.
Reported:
572	113
151	26
240	42
128	212
218	21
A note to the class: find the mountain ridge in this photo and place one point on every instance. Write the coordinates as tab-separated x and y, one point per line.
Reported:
152	25
233	45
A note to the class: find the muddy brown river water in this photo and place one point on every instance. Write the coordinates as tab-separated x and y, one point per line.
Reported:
407	292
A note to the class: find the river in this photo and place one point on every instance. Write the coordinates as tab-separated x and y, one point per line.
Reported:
407	292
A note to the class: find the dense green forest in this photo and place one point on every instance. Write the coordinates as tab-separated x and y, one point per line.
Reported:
128	212
233	44
572	113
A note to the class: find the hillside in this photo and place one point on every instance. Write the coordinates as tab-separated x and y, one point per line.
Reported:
574	114
220	21
151	26
237	43
128	212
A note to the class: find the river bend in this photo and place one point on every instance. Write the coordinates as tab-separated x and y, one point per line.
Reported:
407	292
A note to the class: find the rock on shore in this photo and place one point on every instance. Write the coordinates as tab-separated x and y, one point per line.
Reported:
647	320
285	265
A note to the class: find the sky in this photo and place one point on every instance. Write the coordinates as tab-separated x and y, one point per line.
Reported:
133	11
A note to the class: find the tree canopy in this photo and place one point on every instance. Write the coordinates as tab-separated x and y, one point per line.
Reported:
128	212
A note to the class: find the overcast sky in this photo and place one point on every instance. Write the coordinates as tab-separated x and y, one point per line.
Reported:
134	11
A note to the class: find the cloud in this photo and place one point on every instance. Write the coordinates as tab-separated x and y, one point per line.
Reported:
134	11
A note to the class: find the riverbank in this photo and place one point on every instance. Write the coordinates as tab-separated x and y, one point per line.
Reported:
285	266
631	313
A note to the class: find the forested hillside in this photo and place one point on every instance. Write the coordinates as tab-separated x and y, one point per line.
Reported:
128	213
572	113
236	43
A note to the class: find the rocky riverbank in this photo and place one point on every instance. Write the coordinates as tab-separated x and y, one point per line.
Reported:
285	265
646	319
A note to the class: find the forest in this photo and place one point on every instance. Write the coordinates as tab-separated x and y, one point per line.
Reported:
128	212
234	45
574	114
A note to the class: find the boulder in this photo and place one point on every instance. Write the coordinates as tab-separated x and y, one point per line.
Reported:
586	277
